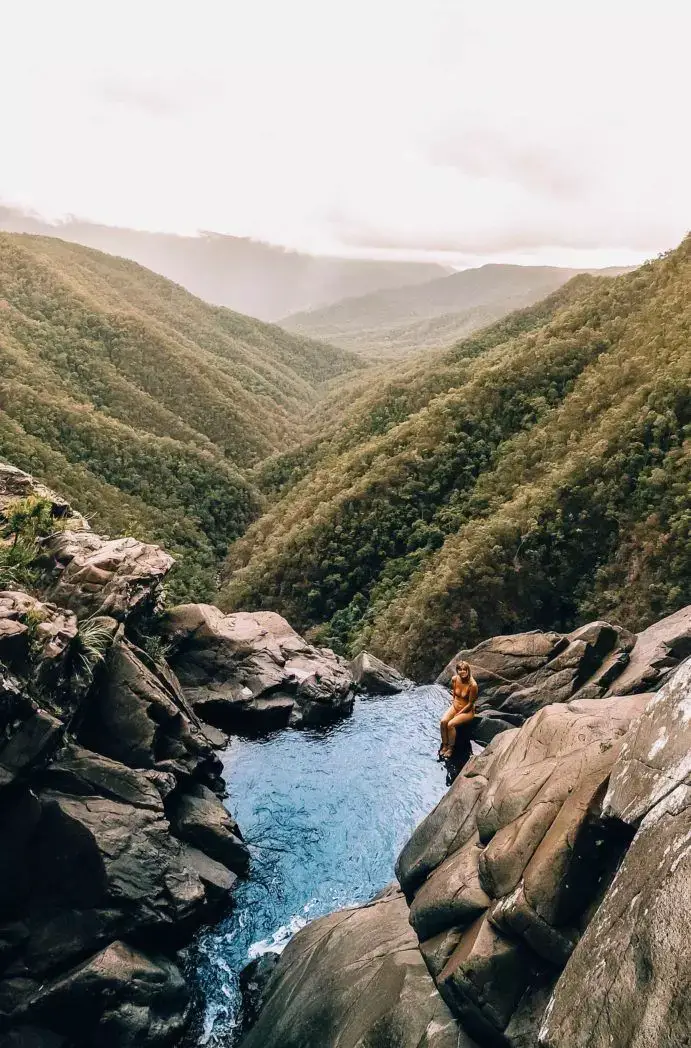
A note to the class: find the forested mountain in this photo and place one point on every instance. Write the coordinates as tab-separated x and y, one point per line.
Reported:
400	321
259	279
142	403
533	476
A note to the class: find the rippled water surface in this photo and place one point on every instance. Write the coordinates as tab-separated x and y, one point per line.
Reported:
326	813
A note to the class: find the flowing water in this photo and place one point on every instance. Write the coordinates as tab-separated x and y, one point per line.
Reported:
326	813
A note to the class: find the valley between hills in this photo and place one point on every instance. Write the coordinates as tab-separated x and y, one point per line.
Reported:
518	500
528	473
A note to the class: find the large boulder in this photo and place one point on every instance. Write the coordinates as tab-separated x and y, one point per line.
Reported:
521	674
252	670
504	659
658	651
96	869
200	818
503	875
117	998
355	979
139	715
94	575
375	677
628	983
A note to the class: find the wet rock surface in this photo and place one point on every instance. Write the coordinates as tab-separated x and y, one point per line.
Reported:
252	671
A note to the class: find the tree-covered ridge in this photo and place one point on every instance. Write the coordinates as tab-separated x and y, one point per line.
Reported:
551	459
396	322
141	403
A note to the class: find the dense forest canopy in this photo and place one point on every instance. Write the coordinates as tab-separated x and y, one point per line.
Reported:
142	404
536	473
533	476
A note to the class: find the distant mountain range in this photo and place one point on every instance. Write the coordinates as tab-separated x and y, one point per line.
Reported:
249	276
397	321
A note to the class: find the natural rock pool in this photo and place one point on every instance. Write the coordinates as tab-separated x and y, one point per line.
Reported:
326	813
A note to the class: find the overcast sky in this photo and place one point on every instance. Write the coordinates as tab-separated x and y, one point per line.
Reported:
517	130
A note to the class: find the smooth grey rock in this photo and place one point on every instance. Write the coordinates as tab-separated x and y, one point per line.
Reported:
375	677
355	980
505	659
450	824
658	649
656	757
506	871
628	982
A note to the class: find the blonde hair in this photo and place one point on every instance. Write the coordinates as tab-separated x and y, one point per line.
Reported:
466	665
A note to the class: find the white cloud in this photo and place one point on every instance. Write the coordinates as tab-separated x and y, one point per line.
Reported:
531	130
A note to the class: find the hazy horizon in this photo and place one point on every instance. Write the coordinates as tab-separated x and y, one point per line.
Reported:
425	131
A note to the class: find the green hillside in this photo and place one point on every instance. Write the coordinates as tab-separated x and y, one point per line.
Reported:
532	476
396	322
143	404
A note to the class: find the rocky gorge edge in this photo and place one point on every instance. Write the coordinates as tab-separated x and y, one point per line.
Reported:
544	903
115	843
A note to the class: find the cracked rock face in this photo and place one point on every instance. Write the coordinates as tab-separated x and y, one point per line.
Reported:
253	671
521	674
628	983
502	876
355	979
95	575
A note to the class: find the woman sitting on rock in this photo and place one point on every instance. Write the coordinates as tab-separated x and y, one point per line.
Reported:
462	708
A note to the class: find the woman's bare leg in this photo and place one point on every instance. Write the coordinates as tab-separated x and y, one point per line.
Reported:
444	728
453	724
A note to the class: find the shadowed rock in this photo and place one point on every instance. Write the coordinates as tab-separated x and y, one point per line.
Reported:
140	716
201	819
117	998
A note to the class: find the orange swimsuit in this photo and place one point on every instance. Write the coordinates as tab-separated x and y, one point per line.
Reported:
460	701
